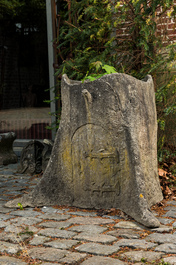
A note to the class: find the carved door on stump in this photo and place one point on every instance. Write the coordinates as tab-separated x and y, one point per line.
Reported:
95	166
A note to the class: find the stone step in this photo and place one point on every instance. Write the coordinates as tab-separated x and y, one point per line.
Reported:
18	145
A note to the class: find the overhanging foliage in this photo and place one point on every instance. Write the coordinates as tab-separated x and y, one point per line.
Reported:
123	34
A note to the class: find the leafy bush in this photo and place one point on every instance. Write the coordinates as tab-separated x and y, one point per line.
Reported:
122	34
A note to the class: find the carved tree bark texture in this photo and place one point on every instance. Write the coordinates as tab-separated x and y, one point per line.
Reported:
105	151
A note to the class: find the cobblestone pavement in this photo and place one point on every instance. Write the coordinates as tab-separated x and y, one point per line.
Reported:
66	235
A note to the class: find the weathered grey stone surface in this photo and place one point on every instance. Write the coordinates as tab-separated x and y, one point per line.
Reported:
170	208
98	260
168	248
106	239
4	217
7	156
129	225
171	214
73	258
97	249
39	240
27	213
47	254
83	213
49	209
61	243
90	220
59	255
172	202
135	243
125	233
115	217
165	221
59	225
11	261
26	221
57	217
9	247
3	224
13	238
22	230
54	232
105	152
48	263
162	238
134	256
13	229
90	229
170	260
162	229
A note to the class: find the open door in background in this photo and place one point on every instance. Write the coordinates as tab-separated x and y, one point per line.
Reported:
24	79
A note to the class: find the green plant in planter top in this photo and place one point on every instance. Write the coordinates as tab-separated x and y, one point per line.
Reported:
98	69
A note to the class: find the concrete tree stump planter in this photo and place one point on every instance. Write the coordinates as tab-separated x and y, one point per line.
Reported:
7	156
105	151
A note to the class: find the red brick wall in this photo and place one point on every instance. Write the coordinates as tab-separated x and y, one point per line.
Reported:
166	26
